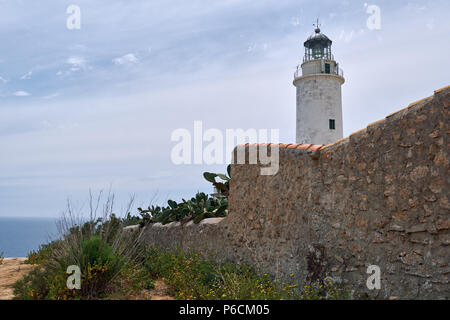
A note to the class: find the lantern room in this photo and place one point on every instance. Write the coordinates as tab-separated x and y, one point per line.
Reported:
318	47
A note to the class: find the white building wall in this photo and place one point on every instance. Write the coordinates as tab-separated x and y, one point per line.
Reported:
319	99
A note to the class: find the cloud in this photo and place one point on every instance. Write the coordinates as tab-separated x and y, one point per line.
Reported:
129	58
77	64
3	80
27	76
51	96
76	61
21	94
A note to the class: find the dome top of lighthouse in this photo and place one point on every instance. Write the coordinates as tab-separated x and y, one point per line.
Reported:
317	38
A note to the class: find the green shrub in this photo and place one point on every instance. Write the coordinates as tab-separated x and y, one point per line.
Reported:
325	290
99	247
42	254
198	208
34	285
130	220
192	277
96	251
1	258
99	266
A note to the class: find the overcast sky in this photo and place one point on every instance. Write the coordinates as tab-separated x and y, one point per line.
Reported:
95	107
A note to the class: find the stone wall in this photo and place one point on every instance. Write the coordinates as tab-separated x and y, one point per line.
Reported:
379	197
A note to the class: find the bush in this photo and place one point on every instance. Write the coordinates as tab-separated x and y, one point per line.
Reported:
325	290
99	247
192	277
130	220
99	265
42	254
35	285
1	258
133	279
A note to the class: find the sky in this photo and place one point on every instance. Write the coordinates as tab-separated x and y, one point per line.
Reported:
94	108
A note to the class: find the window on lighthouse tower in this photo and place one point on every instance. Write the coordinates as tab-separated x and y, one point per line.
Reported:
332	124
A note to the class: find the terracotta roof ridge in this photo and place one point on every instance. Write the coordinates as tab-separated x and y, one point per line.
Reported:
301	146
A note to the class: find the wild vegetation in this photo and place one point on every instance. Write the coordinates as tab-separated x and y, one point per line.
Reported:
189	276
1	257
222	188
107	256
194	277
200	207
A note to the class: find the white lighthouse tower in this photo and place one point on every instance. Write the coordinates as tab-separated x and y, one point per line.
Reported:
319	98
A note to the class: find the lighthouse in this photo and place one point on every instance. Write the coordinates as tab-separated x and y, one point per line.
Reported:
319	99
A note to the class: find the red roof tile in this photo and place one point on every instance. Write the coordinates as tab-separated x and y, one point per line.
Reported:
304	146
316	147
287	146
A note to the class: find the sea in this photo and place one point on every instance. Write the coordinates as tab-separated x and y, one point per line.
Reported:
19	236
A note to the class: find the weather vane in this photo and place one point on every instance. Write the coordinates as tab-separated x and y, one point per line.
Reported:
317	24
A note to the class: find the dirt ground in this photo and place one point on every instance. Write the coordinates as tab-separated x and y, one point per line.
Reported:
158	293
11	270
